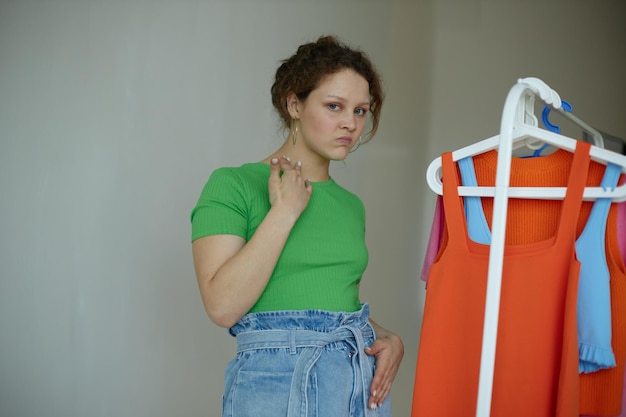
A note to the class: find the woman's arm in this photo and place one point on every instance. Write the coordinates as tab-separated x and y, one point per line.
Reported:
231	273
388	350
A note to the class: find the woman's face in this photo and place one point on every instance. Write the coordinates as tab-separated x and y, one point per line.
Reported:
332	118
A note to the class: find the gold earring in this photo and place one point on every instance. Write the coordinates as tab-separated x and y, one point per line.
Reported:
294	133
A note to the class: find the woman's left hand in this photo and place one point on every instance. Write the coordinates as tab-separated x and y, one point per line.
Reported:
388	350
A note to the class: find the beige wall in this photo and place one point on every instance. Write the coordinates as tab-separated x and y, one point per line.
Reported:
112	115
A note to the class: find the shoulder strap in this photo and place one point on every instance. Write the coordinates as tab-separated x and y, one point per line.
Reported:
574	195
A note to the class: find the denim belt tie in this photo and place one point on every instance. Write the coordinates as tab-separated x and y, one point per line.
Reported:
312	344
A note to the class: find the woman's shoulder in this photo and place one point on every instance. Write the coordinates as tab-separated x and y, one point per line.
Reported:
247	171
249	178
244	169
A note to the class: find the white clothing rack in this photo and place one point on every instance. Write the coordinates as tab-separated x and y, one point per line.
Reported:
518	127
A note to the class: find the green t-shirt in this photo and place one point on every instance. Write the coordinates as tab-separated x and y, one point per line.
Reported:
325	255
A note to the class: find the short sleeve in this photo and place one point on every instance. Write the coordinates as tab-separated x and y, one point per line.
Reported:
221	208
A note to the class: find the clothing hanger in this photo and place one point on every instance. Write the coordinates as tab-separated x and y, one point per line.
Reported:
519	125
566	110
612	142
538	147
548	125
594	135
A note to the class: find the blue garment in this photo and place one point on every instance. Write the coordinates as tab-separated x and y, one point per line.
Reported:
593	310
305	363
594	303
477	226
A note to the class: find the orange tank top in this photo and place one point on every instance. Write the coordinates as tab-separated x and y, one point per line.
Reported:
600	392
536	363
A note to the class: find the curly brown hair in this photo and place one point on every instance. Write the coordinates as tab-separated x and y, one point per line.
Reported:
303	71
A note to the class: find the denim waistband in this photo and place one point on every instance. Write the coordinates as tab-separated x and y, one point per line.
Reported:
310	330
294	339
317	320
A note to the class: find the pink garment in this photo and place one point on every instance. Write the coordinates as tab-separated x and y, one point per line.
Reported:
434	241
621	228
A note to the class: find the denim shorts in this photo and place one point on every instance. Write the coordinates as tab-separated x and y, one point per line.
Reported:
301	364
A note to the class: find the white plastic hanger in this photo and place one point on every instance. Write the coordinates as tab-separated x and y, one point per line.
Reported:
518	127
594	135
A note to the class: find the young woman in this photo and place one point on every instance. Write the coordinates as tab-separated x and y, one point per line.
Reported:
279	251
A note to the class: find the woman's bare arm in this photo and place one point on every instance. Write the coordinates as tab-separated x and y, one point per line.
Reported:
231	273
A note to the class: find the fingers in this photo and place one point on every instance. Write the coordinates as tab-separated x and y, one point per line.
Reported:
287	188
286	165
387	364
307	182
274	170
379	394
283	165
284	162
379	389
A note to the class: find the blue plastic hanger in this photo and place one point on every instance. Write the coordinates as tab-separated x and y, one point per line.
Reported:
566	111
549	126
546	111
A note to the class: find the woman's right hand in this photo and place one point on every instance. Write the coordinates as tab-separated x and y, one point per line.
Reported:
289	189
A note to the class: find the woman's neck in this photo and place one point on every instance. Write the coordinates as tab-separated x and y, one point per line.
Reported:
314	167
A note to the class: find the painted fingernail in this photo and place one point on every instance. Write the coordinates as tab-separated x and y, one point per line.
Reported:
373	406
287	158
299	163
274	160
